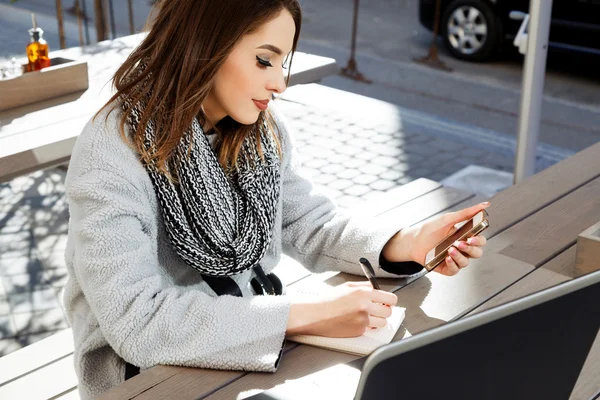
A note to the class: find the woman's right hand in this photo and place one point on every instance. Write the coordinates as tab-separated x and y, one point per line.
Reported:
345	311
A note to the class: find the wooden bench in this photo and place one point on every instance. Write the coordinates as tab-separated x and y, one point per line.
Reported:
42	134
42	370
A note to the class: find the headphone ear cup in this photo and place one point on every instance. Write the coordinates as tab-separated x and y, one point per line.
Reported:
277	284
258	289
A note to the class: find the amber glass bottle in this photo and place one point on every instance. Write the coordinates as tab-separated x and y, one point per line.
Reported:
37	50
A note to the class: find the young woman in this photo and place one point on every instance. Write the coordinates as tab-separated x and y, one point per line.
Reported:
185	190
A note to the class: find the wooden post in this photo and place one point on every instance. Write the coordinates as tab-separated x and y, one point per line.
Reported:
131	23
351	71
432	58
79	22
100	14
61	28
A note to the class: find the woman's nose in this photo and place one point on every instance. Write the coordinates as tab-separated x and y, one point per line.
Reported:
277	84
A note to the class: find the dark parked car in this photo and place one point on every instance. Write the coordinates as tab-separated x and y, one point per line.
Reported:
474	30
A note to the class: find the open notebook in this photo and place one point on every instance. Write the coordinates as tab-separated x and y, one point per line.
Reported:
360	345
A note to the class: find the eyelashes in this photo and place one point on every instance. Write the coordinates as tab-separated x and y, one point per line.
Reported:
263	63
266	64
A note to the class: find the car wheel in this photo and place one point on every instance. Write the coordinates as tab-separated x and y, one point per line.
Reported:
470	29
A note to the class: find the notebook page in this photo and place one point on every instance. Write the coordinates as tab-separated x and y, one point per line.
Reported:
361	345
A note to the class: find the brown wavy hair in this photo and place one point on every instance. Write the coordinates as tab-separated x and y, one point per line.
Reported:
187	42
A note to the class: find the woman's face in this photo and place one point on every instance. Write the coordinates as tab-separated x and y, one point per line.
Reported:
252	72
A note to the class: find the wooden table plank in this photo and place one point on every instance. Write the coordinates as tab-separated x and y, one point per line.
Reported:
33	160
186	385
72	395
183	383
140	383
518	250
306	358
476	199
558	270
517	202
396	197
435	299
554	229
414	212
54	379
35	356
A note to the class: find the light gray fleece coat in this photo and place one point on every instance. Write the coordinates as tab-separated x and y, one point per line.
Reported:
129	296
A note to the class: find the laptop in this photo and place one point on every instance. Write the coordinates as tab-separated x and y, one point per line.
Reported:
532	347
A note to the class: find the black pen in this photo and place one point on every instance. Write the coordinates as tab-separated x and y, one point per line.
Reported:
369	272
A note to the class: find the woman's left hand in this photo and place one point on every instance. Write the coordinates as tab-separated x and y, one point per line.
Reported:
420	239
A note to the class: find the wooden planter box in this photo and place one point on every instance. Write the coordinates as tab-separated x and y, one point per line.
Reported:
63	77
588	250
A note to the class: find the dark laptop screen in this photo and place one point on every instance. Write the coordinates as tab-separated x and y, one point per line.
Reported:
537	353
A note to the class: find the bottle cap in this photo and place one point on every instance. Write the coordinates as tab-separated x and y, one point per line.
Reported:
36	32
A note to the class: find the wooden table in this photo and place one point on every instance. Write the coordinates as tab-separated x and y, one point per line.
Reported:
42	134
45	369
534	227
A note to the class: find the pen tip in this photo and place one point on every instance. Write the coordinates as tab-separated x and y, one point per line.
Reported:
363	260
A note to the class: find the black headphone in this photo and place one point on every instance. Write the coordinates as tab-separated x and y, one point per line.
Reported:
262	284
267	285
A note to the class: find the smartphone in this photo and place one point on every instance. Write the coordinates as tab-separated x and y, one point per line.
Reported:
467	229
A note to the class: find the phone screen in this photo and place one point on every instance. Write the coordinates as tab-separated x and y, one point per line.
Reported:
448	242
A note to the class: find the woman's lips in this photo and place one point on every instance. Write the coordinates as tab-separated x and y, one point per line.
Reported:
262	105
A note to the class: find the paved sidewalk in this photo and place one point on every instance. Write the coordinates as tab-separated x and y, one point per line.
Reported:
486	95
352	155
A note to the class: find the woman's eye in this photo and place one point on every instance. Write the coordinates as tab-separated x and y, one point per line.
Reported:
263	63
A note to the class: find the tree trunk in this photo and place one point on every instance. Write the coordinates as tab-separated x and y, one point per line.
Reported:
100	14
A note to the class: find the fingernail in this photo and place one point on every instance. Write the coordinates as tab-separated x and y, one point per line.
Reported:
451	250
486	203
449	259
460	245
470	241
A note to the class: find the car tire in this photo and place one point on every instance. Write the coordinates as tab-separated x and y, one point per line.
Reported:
470	30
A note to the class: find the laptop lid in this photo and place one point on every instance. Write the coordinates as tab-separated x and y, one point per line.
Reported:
532	347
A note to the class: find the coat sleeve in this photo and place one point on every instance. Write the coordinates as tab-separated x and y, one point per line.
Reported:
315	232
144	319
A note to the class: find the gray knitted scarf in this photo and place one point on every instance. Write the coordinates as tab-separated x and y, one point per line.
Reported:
219	223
